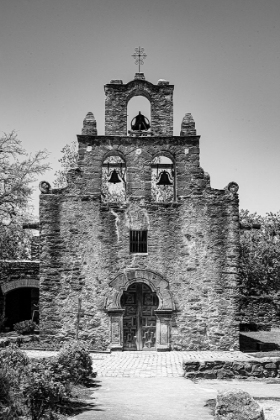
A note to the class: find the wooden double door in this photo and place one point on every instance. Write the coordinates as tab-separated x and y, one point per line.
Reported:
139	320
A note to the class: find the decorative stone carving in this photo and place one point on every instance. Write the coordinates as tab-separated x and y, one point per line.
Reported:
188	126
233	187
166	306
45	187
155	281
136	218
89	125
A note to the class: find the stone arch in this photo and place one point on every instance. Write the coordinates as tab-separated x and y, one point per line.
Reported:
163	162
113	167
20	301
165	153
17	284
154	280
113	152
118	95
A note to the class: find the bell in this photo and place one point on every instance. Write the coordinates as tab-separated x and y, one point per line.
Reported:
164	179
114	177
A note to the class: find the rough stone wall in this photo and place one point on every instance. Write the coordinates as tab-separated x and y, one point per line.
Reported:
118	95
193	243
259	313
268	367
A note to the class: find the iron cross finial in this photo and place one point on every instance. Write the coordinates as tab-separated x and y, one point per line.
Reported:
139	56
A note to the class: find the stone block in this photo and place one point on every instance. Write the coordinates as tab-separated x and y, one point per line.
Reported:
236	404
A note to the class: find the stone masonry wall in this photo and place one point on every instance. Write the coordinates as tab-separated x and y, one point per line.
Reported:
119	94
259	313
268	367
192	243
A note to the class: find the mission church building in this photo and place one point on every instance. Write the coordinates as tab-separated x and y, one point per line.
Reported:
138	252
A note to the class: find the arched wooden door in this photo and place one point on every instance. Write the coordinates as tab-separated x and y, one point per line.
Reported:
139	321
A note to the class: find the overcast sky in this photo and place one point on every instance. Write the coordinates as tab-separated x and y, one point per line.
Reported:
222	56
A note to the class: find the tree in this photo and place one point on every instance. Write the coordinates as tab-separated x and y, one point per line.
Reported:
18	170
260	254
68	161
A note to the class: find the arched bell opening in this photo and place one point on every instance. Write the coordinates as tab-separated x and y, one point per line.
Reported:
21	304
139	319
138	116
163	178
113	182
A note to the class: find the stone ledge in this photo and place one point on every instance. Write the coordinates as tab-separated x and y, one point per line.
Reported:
265	368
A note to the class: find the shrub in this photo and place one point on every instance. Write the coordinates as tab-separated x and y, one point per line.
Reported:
75	362
25	327
43	392
11	404
13	361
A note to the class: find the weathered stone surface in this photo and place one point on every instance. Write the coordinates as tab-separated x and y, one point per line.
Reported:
236	404
160	97
267	368
192	240
89	125
188	126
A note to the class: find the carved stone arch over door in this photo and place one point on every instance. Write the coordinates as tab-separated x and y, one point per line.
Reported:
158	285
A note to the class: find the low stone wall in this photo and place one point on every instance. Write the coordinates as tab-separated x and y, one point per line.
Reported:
255	368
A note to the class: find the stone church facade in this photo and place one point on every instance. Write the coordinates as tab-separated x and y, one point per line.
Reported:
138	252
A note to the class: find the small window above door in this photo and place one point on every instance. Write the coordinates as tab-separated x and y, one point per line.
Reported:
139	241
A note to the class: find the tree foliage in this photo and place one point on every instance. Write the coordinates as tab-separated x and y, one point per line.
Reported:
18	171
68	161
260	254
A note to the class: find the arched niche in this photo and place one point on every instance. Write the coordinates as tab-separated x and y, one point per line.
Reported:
163	177
113	178
136	104
118	96
154	280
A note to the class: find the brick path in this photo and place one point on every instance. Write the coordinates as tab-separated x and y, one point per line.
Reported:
137	364
154	364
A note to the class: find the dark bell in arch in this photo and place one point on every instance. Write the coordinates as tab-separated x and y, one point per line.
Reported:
114	179
164	179
140	123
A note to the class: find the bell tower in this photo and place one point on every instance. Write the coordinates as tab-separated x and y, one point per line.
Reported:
119	94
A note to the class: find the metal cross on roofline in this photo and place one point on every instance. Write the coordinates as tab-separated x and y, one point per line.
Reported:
139	56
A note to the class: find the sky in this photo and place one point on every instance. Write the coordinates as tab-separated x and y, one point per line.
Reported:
223	56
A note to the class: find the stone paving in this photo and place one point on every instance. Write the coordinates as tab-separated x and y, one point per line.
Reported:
137	364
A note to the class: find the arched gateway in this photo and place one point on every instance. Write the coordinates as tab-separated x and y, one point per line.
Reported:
140	309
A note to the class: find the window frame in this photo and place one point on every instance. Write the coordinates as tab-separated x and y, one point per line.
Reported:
138	241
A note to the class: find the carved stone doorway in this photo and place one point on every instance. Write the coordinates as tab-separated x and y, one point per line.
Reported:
139	319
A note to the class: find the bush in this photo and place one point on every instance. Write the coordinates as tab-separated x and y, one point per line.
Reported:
42	391
11	404
13	361
75	362
25	327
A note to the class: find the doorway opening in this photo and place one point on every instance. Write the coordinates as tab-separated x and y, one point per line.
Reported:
21	304
139	320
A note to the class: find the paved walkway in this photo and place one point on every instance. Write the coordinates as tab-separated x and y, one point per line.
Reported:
139	364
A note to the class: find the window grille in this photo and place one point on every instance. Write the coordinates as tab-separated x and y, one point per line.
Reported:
138	241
